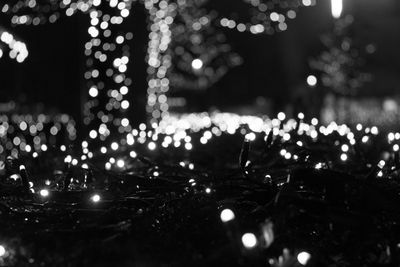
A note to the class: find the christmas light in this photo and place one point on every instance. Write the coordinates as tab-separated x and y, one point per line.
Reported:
18	49
265	17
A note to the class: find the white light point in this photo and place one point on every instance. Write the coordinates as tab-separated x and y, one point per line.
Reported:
227	215
303	257
197	64
312	80
249	240
95	198
336	8
44	193
120	163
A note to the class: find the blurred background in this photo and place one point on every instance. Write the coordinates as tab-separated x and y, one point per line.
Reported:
344	68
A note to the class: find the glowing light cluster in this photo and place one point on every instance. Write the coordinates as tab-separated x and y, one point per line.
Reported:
108	54
32	12
18	49
107	61
33	134
368	111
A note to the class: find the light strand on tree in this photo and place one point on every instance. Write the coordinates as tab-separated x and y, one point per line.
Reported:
200	52
267	16
161	15
107	59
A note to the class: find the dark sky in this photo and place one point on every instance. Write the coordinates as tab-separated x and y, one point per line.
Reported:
273	65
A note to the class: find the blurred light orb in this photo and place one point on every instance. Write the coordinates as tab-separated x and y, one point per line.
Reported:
227	215
312	80
2	251
152	145
108	166
381	164
93	92
345	148
44	193
93	134
303	257
125	104
336	8
120	163
197	64
95	198
114	146
249	240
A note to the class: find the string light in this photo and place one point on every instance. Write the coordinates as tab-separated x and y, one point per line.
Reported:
189	128
200	54
105	107
161	16
265	17
107	56
18	49
32	134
